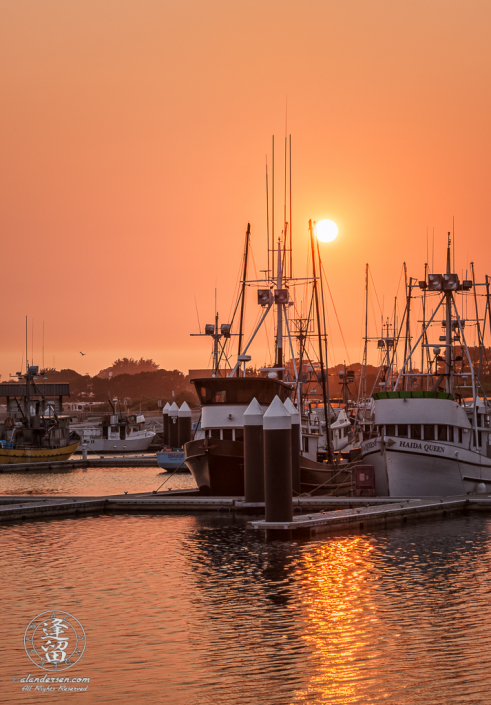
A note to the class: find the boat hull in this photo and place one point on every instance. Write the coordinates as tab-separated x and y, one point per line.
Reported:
103	445
11	456
218	469
414	472
171	460
217	466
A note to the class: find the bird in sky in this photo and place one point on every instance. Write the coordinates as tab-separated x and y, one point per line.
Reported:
82	353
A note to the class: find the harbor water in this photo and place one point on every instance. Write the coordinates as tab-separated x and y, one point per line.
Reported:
196	609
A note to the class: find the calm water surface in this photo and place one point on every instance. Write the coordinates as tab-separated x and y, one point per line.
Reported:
197	609
93	481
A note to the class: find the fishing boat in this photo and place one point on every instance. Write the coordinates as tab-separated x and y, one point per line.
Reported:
216	455
34	431
117	433
427	439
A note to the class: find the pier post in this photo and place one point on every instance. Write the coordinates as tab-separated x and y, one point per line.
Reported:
253	453
173	426
184	425
277	425
296	444
165	422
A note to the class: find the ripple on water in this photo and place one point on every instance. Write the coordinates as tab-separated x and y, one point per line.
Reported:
196	609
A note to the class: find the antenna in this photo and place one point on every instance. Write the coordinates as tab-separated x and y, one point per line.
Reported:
43	345
453	241
433	253
267	210
291	241
26	345
272	213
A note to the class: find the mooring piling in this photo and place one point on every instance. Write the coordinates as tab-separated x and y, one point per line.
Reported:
253	453
173	426
165	423
277	430
296	444
183	425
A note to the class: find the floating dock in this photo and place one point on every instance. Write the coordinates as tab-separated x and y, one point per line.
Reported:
325	515
118	461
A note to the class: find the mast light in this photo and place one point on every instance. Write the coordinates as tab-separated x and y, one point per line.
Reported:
265	297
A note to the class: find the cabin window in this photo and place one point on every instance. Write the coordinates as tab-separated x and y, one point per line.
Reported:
429	432
306	445
227	434
459	430
114	429
402	431
135	428
215	433
239	435
416	431
390	430
442	433
479	438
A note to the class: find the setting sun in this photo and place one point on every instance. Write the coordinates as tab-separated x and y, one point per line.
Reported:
326	230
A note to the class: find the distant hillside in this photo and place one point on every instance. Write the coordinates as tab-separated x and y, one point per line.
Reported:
141	388
128	366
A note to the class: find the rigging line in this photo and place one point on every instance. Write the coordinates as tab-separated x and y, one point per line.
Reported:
400	279
336	313
197	314
375	290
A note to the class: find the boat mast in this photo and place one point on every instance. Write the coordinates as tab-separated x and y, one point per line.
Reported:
244	277
330	455
448	332
365	351
279	313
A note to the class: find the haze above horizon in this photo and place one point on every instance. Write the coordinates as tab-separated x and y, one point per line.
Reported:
134	139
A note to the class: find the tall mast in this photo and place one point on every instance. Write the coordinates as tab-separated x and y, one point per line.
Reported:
448	333
363	373
279	311
330	456
424	326
244	277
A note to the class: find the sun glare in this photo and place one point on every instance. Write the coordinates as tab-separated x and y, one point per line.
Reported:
326	230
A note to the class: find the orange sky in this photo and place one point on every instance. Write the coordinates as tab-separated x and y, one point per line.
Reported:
134	136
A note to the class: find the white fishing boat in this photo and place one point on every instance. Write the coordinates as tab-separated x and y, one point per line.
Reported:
429	441
117	433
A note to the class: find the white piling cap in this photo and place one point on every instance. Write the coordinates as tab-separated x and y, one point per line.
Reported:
166	408
173	410
293	411
184	411
253	415
276	416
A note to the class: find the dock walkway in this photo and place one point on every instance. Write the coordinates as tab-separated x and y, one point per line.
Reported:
324	514
118	461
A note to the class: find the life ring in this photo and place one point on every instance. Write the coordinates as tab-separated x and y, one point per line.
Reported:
131	418
128	430
9	422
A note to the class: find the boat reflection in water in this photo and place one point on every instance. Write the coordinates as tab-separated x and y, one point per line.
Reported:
397	616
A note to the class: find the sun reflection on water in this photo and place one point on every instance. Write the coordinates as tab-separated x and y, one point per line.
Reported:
335	594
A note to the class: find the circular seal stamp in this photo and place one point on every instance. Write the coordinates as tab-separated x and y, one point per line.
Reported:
54	641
